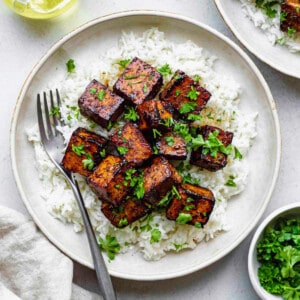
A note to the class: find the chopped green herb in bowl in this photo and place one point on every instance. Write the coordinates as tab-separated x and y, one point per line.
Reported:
274	255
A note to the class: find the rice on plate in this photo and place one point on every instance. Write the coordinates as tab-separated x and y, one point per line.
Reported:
153	235
268	20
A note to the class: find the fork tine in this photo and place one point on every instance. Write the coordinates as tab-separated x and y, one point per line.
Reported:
53	107
61	121
40	119
47	117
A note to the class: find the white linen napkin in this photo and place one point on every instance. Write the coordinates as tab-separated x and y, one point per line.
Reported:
30	266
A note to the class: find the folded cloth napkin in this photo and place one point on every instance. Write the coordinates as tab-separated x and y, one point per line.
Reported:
30	266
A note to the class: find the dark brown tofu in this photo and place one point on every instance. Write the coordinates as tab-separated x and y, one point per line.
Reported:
207	161
183	90
107	181
131	143
154	115
290	9
172	146
159	179
100	104
139	82
83	145
193	207
126	213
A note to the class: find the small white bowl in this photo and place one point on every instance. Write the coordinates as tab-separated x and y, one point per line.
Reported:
292	210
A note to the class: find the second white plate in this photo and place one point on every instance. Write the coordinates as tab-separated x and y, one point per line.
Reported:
256	41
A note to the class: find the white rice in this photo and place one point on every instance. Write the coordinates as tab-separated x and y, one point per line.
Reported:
153	47
270	26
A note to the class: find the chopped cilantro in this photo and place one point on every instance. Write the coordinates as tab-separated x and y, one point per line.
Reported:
155	236
175	192
187	107
183	218
70	65
230	181
165	70
189	207
196	78
54	111
88	163
102	153
117	186
128	77
237	153
78	150
198	225
156	133
101	95
93	91
278	253
123	63
170	140
165	200
193	94
177	92
145	88
109	245
131	114
123	222
269	7
291	31
194	117
122	150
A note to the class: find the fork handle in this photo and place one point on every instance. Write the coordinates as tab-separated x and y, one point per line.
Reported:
103	277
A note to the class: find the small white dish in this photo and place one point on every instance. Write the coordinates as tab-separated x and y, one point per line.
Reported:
255	40
253	265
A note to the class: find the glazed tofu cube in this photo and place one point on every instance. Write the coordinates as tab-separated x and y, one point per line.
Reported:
159	178
126	213
186	95
107	181
139	82
290	11
100	104
154	114
193	207
172	146
131	143
207	161
83	152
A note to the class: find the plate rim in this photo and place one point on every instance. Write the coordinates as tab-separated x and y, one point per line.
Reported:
130	13
251	49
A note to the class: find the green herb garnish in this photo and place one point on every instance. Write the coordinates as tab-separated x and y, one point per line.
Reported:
170	140
230	181
109	245
193	94
278	253
101	95
93	91
122	150
123	63
237	153
131	114
187	107
183	218
70	65
155	236
165	70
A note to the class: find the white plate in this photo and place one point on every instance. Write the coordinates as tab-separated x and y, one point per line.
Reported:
245	210
256	41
